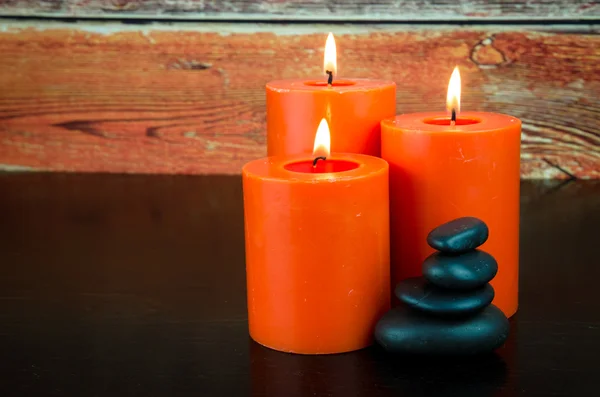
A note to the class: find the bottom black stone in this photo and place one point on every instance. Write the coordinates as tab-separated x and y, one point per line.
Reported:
407	331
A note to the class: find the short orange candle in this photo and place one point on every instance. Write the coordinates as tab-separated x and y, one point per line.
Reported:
317	251
439	172
353	108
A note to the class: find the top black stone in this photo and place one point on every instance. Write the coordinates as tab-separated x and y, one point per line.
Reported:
459	235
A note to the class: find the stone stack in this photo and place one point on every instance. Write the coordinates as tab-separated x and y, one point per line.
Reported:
448	310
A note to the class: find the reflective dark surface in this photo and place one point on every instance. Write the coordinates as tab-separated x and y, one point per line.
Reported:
134	285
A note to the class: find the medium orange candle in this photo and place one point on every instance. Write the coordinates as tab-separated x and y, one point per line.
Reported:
317	250
353	108
439	172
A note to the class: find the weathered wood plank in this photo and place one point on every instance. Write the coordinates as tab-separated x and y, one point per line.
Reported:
373	10
188	99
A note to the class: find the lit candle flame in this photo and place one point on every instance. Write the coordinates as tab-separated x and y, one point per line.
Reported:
330	59
322	140
453	97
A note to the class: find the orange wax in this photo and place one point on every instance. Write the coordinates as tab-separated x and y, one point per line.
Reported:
440	172
317	251
353	108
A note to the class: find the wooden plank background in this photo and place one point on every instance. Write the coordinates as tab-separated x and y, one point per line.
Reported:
170	96
351	10
190	99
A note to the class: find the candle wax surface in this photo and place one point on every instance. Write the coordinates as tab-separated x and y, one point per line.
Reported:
353	109
317	251
440	172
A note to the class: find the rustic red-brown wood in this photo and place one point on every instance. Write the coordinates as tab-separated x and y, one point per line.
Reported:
158	100
389	10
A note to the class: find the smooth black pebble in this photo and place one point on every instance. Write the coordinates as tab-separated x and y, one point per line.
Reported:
470	270
422	295
459	235
407	331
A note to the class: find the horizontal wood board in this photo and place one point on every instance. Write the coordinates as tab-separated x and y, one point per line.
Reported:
356	10
190	99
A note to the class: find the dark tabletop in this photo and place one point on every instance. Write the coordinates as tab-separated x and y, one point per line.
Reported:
134	285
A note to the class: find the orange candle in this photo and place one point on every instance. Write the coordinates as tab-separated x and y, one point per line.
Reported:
353	108
439	172
317	250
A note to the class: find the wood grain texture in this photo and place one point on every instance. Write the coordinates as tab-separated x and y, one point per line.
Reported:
373	10
160	99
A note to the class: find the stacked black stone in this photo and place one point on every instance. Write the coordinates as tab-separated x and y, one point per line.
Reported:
448	310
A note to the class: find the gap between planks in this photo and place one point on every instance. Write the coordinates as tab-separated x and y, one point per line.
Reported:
104	26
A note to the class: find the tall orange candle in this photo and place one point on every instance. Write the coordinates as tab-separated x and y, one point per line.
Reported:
353	108
317	250
439	172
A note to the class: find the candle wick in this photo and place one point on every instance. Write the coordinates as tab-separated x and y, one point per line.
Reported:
453	117
317	159
330	78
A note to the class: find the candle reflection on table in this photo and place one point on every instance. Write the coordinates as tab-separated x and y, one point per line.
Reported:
372	372
282	374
